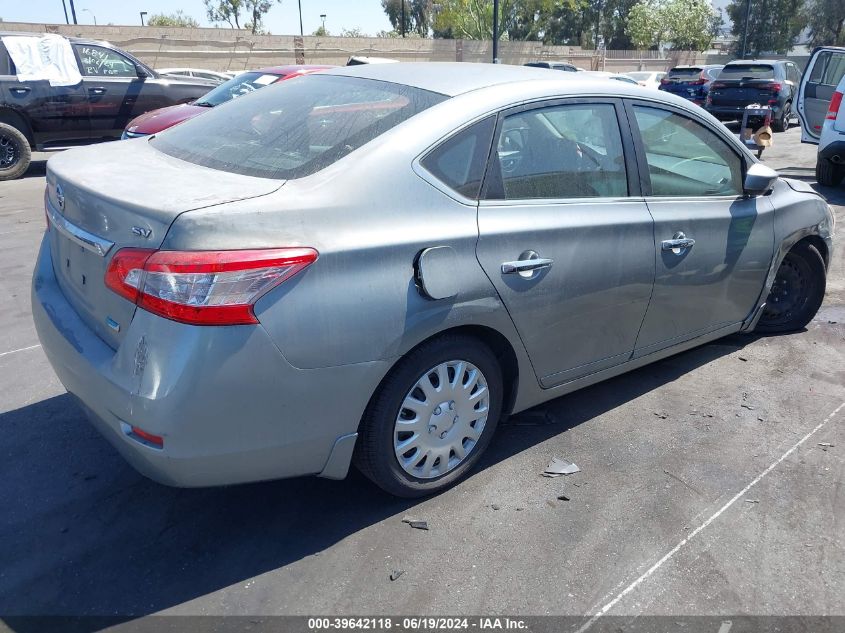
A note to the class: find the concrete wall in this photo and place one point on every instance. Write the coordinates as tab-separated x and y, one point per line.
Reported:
228	49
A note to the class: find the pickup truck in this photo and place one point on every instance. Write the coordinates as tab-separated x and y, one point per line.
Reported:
115	88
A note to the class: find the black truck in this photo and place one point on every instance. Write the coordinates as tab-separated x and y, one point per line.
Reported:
115	88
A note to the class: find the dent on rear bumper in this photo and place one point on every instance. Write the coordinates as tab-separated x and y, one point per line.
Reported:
229	406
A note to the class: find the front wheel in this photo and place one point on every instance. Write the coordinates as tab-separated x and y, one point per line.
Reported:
432	418
797	292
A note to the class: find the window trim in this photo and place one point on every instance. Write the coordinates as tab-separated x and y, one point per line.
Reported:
641	153
628	152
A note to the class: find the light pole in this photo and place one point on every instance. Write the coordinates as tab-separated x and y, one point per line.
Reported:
403	18
745	30
143	13
73	11
64	6
323	18
495	31
92	15
300	19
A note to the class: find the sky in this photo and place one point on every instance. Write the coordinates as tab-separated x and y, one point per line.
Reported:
283	19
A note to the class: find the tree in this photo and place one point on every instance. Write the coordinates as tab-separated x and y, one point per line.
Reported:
773	26
321	32
473	19
418	15
688	25
645	26
230	11
354	32
172	19
826	20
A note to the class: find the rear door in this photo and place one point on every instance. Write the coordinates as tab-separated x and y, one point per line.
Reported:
564	236
713	245
824	71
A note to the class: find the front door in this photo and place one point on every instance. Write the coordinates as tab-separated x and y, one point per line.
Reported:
713	245
111	84
824	71
563	237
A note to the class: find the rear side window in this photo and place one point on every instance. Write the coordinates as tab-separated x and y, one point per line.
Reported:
750	71
568	151
6	66
712	73
294	128
460	160
685	158
828	69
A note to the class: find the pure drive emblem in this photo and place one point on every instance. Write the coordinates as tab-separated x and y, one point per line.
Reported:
60	197
141	231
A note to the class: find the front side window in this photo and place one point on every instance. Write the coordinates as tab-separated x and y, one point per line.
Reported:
685	158
459	161
294	128
243	84
97	61
568	151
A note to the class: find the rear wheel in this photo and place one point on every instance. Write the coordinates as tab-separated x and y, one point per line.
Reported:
432	418
827	173
14	152
782	124
797	292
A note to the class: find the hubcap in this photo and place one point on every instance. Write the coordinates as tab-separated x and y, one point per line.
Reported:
441	419
9	152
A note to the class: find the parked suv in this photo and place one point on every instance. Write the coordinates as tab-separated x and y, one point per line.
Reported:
821	113
769	82
690	82
115	88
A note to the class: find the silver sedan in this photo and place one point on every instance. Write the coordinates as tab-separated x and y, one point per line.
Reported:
376	264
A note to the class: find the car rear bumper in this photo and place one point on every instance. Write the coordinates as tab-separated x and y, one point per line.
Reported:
229	406
734	112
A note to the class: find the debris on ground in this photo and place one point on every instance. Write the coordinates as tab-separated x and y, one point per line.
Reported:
416	523
662	416
496	506
825	445
394	575
563	497
559	466
743	359
747	406
751	500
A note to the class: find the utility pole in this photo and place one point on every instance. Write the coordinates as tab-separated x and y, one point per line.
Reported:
64	6
300	18
403	18
73	12
495	31
745	30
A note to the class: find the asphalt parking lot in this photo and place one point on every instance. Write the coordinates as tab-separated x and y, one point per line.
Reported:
703	490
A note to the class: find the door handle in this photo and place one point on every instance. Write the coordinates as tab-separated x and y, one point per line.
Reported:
678	243
20	90
527	264
97	91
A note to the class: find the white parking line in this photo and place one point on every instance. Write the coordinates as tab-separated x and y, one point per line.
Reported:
23	349
589	623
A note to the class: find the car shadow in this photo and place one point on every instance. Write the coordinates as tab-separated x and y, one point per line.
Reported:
37	169
81	533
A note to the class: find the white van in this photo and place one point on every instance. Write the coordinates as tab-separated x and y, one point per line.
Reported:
821	113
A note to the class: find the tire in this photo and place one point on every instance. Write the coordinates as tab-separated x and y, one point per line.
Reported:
15	153
782	124
827	173
382	433
797	292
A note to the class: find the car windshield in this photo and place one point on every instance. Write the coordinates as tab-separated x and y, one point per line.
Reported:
684	74
237	87
639	76
753	71
294	128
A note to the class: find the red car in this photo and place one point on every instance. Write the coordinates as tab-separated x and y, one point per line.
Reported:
163	118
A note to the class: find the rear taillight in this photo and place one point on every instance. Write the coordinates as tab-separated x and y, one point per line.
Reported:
664	81
835	104
203	287
698	82
716	85
775	88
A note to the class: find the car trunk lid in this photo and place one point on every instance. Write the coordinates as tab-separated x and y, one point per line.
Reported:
125	194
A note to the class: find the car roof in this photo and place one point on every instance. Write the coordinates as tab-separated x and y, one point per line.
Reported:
451	78
737	62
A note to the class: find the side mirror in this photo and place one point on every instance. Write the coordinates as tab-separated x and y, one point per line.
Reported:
143	73
759	180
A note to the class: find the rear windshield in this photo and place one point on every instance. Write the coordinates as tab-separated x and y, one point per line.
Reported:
752	71
294	128
683	74
241	85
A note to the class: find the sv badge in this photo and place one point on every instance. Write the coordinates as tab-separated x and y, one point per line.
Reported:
141	231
